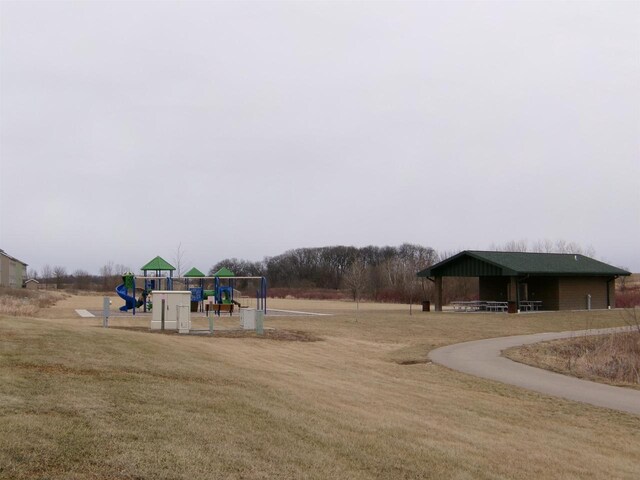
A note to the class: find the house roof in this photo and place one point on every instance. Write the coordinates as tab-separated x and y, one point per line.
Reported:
224	272
194	272
2	252
473	263
158	263
31	280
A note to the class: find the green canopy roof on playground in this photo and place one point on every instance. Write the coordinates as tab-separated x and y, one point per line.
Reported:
158	263
224	272
194	272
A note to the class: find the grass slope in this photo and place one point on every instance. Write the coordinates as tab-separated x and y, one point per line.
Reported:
78	401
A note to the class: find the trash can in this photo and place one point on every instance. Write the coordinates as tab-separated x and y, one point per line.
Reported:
512	307
426	306
194	306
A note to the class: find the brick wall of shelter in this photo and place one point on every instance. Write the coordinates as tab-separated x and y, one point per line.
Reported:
574	290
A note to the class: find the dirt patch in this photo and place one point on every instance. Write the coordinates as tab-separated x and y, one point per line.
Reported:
282	335
413	362
411	355
269	334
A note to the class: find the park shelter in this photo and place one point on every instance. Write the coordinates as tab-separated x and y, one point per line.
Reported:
560	281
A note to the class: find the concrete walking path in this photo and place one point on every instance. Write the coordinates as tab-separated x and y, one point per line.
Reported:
482	358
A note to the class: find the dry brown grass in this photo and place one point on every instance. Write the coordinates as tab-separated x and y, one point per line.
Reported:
612	358
21	302
78	401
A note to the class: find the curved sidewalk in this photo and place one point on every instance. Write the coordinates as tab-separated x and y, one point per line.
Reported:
482	358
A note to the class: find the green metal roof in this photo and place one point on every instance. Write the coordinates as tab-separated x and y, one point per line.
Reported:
194	272
224	272
158	263
472	263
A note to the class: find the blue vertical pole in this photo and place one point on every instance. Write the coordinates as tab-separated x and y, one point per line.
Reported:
146	290
263	284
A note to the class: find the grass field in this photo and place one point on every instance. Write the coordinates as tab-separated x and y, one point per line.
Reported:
78	401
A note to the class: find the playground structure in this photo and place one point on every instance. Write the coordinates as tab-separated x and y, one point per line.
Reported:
173	312
216	293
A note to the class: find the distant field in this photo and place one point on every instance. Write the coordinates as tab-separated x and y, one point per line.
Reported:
79	401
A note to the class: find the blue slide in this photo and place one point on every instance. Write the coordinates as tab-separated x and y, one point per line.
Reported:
130	301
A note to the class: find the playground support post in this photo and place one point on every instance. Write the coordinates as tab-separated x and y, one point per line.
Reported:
105	311
263	284
133	294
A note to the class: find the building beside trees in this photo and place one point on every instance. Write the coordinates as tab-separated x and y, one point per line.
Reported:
548	281
13	272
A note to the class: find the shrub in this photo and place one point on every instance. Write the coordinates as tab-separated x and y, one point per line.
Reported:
308	293
22	302
628	298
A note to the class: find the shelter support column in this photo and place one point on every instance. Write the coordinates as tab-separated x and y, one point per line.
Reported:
513	289
438	294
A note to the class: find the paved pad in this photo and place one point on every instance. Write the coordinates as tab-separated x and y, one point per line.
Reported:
482	358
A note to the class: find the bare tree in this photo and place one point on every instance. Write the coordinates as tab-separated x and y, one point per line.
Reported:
81	279
32	273
59	273
545	246
511	246
106	272
119	269
178	259
47	274
442	255
622	280
355	279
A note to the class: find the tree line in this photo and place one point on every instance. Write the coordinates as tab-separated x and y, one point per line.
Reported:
57	276
380	273
386	273
377	273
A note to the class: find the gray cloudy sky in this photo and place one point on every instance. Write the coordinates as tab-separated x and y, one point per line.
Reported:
248	128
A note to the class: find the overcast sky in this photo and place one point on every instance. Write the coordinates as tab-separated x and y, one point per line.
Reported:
243	129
